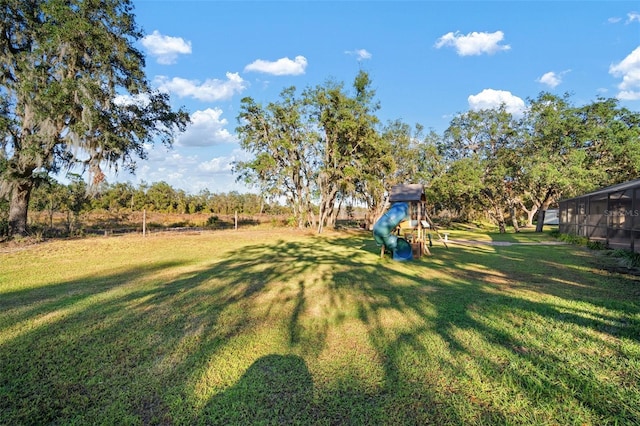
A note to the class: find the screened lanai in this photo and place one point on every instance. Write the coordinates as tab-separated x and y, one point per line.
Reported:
610	215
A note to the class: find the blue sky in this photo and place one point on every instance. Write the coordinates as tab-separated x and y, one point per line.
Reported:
429	60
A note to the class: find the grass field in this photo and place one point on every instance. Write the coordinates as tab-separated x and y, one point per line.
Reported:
281	327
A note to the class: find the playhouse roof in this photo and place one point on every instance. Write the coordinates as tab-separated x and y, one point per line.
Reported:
408	192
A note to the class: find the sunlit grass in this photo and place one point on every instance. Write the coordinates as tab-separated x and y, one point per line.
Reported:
283	327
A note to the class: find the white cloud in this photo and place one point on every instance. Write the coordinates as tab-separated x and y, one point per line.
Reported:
360	54
475	43
207	128
633	17
629	70
628	95
217	165
209	91
492	99
165	48
190	173
283	66
552	79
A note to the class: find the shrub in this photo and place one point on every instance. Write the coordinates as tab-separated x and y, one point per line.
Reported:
573	239
628	258
212	221
596	245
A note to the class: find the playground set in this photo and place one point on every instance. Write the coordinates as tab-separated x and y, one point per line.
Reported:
405	229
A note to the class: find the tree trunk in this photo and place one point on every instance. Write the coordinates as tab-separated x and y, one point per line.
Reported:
514	217
18	207
540	223
326	204
502	227
335	212
530	215
541	213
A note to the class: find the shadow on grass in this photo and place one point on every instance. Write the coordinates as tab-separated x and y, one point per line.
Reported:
134	345
275	389
521	286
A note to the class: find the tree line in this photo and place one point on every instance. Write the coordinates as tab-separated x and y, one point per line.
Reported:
75	197
325	146
74	200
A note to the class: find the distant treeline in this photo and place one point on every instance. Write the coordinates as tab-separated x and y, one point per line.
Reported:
160	197
75	202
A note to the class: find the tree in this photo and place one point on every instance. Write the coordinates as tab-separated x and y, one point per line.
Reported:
75	201
348	140
404	155
284	147
482	143
611	137
115	197
552	158
313	149
67	68
162	197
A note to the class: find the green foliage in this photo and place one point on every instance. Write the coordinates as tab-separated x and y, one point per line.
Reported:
314	149
53	197
284	148
212	221
596	245
67	65
573	239
498	165
628	258
579	240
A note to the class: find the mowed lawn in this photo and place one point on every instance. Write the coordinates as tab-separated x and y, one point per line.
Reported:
280	327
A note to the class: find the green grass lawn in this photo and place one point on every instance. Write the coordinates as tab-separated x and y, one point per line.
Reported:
282	327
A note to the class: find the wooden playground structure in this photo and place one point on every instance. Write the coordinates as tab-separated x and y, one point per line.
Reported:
417	227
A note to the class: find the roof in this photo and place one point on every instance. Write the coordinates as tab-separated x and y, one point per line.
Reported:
408	192
609	189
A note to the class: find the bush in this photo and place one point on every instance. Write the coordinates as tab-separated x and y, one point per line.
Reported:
573	239
628	258
212	221
292	222
578	240
596	245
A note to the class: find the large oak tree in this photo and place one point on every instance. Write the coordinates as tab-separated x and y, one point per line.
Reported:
316	149
285	154
73	93
479	146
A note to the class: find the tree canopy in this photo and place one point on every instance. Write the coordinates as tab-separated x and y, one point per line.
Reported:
73	94
328	146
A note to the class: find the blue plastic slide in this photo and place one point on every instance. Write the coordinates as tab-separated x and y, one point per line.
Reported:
382	232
